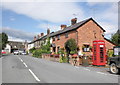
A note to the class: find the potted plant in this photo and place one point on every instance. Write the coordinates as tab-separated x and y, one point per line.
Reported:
90	48
72	52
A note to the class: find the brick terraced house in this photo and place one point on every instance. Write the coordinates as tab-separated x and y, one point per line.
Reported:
84	33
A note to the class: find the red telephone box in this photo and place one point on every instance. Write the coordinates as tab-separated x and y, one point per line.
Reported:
99	52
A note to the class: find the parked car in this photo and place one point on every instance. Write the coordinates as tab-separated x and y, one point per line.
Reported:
114	63
3	52
16	52
23	53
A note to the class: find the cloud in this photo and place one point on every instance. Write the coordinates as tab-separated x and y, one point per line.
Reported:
110	28
111	13
52	27
15	39
52	12
62	12
12	19
107	18
60	0
18	34
97	1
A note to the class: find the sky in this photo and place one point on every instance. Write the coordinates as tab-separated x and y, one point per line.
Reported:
23	20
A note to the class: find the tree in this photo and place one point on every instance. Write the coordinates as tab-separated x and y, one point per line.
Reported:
116	38
71	47
3	40
46	48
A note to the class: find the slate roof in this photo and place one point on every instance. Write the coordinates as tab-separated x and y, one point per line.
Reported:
73	27
69	28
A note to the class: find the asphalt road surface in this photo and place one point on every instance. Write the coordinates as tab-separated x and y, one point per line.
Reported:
27	69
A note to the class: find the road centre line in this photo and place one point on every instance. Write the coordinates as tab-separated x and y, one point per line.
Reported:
20	59
37	79
25	64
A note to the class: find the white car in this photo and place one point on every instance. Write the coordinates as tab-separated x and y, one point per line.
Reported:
16	52
23	53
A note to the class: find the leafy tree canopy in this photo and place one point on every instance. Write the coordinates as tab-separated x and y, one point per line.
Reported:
71	45
3	40
116	38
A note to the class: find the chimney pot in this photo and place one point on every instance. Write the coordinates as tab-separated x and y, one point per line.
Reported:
63	26
38	36
48	31
34	37
42	34
73	21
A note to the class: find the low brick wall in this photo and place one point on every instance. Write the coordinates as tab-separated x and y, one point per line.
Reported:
81	61
51	57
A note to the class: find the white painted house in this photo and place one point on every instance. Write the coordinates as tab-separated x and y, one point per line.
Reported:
30	45
7	48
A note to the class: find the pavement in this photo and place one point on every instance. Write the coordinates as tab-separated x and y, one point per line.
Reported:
27	69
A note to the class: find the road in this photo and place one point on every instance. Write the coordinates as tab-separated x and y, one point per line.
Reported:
27	69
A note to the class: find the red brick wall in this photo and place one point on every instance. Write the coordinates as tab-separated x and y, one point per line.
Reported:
86	34
108	45
63	39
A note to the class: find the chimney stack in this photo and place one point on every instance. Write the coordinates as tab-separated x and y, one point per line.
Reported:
48	31
63	26
42	34
73	21
35	38
38	36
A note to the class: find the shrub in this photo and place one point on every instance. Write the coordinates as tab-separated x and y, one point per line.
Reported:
61	60
72	52
65	59
37	53
32	49
70	45
44	49
110	53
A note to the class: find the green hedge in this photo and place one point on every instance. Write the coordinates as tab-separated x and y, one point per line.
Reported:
38	53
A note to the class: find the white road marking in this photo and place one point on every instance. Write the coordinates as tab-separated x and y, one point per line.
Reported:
86	69
76	67
34	75
102	73
25	64
20	59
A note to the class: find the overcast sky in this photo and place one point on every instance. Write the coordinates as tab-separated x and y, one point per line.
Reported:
23	20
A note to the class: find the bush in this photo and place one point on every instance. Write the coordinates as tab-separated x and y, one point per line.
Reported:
32	49
70	45
63	59
110	53
37	53
44	49
72	52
